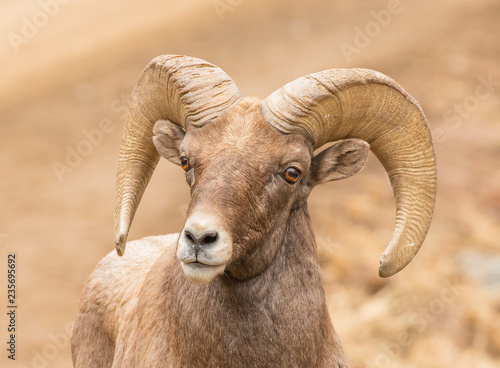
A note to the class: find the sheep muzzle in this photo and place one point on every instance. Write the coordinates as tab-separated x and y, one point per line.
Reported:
204	247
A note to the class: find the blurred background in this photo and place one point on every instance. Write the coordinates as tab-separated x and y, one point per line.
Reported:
69	66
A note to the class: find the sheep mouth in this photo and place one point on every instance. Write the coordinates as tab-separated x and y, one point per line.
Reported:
200	272
201	263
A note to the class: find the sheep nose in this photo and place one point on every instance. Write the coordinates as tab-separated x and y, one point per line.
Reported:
199	240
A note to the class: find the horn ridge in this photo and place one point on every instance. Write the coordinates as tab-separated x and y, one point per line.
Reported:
185	90
361	103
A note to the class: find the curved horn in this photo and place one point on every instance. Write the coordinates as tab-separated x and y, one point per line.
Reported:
187	91
360	103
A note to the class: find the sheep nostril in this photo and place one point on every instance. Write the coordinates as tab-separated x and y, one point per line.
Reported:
204	239
209	239
189	236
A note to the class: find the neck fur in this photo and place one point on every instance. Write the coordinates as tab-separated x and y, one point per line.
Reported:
278	316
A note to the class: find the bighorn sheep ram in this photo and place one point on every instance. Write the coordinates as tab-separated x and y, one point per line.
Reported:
240	286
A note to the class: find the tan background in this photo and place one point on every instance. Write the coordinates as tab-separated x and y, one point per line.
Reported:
77	68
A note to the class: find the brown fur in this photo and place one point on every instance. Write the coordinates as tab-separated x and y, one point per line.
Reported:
268	309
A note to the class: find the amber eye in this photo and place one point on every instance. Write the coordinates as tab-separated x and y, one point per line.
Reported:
291	175
185	163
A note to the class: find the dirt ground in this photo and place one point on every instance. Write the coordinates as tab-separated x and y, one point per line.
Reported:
68	70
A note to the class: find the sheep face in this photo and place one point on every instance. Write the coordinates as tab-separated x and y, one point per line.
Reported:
245	179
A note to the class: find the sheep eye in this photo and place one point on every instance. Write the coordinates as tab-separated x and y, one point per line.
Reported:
185	163
291	175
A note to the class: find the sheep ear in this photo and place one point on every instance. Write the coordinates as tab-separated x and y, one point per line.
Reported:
167	138
341	160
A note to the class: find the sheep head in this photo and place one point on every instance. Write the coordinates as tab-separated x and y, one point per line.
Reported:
240	154
240	162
